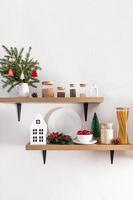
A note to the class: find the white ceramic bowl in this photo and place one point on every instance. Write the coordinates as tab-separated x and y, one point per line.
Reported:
85	138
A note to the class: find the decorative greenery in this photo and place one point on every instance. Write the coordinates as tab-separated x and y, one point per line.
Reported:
95	127
59	138
16	68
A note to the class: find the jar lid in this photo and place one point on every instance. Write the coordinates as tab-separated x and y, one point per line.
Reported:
60	88
122	108
107	125
72	85
82	85
47	83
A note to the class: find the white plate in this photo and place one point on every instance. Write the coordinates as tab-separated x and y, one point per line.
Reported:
78	142
66	121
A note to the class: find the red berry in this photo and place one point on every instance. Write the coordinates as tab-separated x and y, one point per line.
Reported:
79	133
84	132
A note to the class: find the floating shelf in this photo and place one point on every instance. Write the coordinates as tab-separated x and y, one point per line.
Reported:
51	100
76	147
73	100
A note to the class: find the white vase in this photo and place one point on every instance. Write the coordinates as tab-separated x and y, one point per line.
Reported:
23	90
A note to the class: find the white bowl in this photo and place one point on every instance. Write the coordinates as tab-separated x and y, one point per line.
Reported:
85	138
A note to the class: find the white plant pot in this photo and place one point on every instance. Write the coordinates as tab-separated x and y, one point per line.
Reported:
23	90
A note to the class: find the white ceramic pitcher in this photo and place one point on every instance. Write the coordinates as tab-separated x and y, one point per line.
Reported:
23	90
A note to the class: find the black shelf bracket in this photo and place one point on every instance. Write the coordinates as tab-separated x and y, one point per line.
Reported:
85	110
19	111
112	156
44	153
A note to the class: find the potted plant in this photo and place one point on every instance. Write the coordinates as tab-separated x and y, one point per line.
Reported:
18	71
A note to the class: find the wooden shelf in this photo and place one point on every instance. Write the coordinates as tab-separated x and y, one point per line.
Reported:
75	147
73	100
51	100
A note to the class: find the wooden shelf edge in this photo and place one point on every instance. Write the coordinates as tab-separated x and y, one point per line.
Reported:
51	100
93	147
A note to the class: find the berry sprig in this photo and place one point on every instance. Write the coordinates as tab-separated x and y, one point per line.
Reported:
59	138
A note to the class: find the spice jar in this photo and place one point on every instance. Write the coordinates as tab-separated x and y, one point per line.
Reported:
122	116
72	90
107	133
60	91
47	89
82	89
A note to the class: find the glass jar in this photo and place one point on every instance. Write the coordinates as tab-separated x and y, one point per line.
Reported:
122	116
47	89
94	90
60	91
82	89
72	90
107	133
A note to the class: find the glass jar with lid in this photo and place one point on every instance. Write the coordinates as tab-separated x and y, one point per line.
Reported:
72	90
47	89
82	90
60	91
107	133
122	117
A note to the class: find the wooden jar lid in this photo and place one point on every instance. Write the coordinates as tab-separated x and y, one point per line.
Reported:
72	85
47	83
122	108
82	85
60	88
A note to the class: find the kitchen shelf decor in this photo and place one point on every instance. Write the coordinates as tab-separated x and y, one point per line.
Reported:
65	100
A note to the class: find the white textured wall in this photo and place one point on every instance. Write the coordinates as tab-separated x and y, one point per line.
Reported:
75	40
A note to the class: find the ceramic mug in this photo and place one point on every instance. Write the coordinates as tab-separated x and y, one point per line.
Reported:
23	90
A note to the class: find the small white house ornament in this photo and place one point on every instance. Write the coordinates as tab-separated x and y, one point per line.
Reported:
38	131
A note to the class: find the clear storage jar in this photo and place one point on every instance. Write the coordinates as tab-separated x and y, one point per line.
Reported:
82	90
107	133
47	89
60	91
72	90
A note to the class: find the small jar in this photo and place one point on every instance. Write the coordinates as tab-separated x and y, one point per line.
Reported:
107	133
72	90
47	89
60	91
82	89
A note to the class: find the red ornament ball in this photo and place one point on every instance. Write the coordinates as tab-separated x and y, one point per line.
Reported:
10	72
34	74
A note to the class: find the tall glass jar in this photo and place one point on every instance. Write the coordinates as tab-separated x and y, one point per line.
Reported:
82	89
122	117
72	90
47	89
107	133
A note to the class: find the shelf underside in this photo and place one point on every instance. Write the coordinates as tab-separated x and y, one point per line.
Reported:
51	100
94	147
